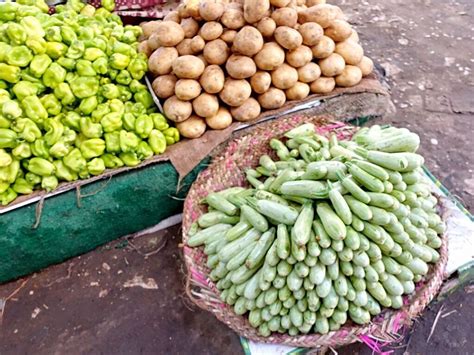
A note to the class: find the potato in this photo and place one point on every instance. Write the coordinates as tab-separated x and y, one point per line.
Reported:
190	27
266	26
163	86
221	120
193	127
309	72
338	30
212	79
187	89
169	33
191	8
261	82
144	48
299	56
149	28
233	19
161	60
272	99
248	41
184	47
311	33
188	67
288	37
299	91
352	52
177	110
206	105
255	10
366	65
153	42
310	3
354	36
270	57
332	65
235	92
301	3
216	52
350	76
228	36
211	10
236	5
323	14
172	16
249	110
202	59
324	48
240	67
211	30
280	3
284	77
285	17
323	85
197	44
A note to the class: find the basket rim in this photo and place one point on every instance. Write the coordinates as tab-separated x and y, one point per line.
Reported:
202	291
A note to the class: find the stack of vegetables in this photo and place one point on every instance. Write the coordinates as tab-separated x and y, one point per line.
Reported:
333	231
71	100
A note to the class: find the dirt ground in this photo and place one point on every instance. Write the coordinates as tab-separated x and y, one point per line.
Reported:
127	298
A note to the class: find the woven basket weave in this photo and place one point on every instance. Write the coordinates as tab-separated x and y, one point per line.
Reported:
227	170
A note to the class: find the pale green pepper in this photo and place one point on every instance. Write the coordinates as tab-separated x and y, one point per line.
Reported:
100	111
49	183
119	61
22	151
84	68
56	49
40	149
157	141
72	120
21	186
9	73
63	172
54	75
144	151
60	149
111	161
90	129
96	166
129	121
40	166
92	54
86	86
8	196
67	63
27	129
8	138
112	142
130	159
159	121
110	91
92	148
143	126
32	179
171	135
88	105
75	161
19	56
111	122
128	141
51	104
11	109
5	158
64	93
23	89
54	131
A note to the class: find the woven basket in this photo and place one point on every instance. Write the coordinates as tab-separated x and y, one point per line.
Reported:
227	170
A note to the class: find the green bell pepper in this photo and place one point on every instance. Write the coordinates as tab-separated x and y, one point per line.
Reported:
8	138
53	34
92	148
54	75
9	173
8	11
16	33
63	172
23	151
68	34
157	141
90	129
112	73
21	186
8	196
83	87
112	142
88	105
56	49
124	94
88	10
116	106
27	129
60	149
136	86
111	121
9	73
128	141
5	158
54	131
144	151
138	68
171	135
33	108
130	159
75	161
110	91
36	44
92	54
143	125
109	5
67	63
99	112
4	122
128	37
69	136
100	65
11	109
40	166
64	93
129	121
40	149
111	161
71	120
119	61
123	77
51	104
4	186
84	68
159	121
96	166
32	26
76	49
39	64
19	56
49	183
138	109
5	48
32	179
145	98
23	89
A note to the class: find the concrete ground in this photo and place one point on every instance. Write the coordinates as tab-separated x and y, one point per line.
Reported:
128	298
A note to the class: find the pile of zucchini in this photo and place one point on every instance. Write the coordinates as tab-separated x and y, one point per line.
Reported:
332	231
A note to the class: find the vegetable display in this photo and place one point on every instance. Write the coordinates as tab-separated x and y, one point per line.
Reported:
71	100
331	231
213	60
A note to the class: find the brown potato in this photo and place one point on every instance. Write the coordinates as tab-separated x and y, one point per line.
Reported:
212	79
285	17
187	89
332	65
192	9
266	26
323	14
177	110
301	3
144	48
211	31
235	92
240	67
288	37
338	30
233	19
248	111
255	10
323	85
197	44
172	16
309	72
188	67
272	99
202	59
169	33
311	33
184	47
248	41
270	57
310	3
299	91
324	48
261	82
350	76
366	65
354	36
193	127
153	42
216	52
280	3
221	120
284	77
299	56
163	86
228	36
149	28
190	27
206	105
161	60
211	10
352	52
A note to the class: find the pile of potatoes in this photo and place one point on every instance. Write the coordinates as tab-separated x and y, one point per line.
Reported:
213	61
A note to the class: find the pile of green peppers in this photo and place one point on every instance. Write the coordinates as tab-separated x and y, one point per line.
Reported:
71	99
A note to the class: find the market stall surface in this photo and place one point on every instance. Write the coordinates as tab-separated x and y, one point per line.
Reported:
127	297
